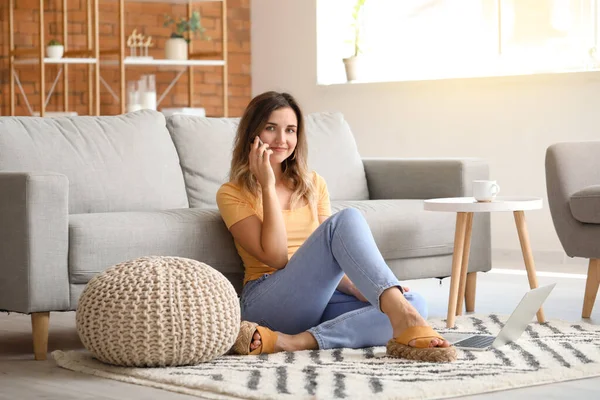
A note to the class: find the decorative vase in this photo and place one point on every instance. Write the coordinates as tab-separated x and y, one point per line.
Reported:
133	97
176	49
148	92
352	65
55	51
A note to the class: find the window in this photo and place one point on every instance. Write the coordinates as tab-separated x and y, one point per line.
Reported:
437	39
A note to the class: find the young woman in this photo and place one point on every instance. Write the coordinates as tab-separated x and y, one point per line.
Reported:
312	279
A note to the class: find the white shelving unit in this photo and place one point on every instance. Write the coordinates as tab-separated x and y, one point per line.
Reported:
165	63
73	60
194	60
62	69
171	1
94	58
189	63
37	55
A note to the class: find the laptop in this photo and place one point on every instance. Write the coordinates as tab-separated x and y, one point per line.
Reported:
514	327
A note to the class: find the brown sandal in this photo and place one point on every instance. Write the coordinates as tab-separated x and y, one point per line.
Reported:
398	347
247	330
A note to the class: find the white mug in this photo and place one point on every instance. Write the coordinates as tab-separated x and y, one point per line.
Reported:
485	190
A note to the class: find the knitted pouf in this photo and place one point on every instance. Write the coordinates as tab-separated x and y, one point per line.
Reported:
158	311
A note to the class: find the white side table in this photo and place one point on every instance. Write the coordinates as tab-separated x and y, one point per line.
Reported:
464	207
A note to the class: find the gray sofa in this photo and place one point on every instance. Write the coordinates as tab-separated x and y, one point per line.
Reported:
573	186
79	194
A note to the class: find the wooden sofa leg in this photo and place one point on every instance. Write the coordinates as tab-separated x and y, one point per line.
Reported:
470	291
39	325
591	287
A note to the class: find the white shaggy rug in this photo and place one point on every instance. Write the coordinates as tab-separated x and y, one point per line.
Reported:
551	352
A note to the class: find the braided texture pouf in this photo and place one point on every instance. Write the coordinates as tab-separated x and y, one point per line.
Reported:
158	311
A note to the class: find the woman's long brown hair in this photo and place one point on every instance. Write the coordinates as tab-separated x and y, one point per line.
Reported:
295	167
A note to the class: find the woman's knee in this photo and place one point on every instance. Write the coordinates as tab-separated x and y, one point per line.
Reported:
349	214
418	302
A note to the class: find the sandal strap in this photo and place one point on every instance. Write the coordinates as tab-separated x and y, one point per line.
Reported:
268	339
417	332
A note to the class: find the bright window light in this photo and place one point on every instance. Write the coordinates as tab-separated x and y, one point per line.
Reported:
403	40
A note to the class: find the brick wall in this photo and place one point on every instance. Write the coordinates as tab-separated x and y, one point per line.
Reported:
148	18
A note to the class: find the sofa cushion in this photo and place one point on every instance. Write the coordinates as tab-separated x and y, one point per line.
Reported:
98	241
114	163
332	152
205	146
402	229
585	205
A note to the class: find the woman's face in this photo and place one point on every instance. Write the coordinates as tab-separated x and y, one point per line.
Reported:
280	134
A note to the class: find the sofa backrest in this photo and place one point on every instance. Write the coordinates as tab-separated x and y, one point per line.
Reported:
205	146
113	163
332	152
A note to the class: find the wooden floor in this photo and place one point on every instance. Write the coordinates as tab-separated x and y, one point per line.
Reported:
23	378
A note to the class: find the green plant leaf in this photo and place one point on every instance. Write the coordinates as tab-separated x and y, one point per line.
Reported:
193	26
356	25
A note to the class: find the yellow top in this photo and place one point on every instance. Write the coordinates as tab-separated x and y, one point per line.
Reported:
300	222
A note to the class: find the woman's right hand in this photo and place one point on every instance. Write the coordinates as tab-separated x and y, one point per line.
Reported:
260	163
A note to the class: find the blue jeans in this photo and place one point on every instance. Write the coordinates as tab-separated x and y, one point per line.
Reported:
303	295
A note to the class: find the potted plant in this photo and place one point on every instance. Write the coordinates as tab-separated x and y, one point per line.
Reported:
352	63
54	49
176	47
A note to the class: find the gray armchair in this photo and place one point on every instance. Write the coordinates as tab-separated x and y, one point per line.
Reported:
573	185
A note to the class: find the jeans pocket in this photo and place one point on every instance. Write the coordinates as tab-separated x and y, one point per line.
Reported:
250	291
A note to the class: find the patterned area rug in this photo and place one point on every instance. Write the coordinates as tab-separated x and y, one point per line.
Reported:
551	352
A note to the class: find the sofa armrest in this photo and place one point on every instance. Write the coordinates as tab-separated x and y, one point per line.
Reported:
34	242
427	178
422	178
571	167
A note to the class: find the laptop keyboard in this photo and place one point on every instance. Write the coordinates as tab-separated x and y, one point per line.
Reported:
477	341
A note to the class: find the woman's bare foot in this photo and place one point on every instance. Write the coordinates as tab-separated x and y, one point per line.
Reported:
301	341
255	343
403	315
415	319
